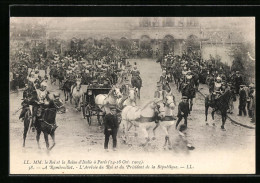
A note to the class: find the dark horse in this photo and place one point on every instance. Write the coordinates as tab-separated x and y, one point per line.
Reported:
220	104
45	122
136	82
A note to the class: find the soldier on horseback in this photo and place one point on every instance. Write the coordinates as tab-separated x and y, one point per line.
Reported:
159	93
136	73
164	79
217	91
41	102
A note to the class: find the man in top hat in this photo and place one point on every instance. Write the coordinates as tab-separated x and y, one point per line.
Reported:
111	124
242	101
183	111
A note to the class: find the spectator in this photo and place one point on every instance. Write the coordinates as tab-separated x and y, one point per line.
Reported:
242	101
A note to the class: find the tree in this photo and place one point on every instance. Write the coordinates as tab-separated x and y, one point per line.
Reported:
241	61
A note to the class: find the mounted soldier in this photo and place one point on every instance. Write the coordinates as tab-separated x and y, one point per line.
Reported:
217	91
40	102
159	93
136	73
164	79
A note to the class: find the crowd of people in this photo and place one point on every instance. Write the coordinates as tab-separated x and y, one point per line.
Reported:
189	68
107	67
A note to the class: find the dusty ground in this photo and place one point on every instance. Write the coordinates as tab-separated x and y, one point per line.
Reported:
216	151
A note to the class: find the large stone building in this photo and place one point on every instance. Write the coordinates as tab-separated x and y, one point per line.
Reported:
164	33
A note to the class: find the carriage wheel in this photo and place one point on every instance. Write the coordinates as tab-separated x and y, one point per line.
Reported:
88	114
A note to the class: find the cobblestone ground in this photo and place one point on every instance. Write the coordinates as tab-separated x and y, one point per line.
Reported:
216	151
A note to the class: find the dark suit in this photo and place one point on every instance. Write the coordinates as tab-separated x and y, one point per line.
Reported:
183	108
110	122
242	102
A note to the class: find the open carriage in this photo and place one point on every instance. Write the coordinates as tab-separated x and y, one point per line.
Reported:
89	108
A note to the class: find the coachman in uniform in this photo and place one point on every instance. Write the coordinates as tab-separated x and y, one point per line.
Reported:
111	124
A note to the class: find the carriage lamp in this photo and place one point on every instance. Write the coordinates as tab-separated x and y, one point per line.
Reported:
89	92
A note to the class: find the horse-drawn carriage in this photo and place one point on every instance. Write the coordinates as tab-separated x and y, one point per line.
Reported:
89	107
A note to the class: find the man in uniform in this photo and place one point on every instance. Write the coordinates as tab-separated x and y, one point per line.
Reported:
111	124
217	91
41	101
183	111
168	92
164	79
136	73
159	93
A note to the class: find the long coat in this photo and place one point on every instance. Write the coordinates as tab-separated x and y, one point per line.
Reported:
110	122
183	107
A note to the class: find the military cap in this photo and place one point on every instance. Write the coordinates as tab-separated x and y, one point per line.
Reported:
184	97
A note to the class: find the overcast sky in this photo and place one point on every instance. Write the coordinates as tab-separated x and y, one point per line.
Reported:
244	24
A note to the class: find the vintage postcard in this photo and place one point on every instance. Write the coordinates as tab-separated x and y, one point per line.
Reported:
132	95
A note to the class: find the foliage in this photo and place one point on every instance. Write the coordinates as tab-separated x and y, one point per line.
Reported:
241	61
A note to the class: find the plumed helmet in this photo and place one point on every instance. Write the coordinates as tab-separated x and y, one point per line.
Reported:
44	83
164	72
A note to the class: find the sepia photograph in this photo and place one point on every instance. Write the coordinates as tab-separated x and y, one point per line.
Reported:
132	95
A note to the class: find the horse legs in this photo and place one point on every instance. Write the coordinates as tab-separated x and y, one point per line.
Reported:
26	127
53	139
224	118
212	114
38	134
146	135
191	103
46	140
206	113
70	95
164	128
169	141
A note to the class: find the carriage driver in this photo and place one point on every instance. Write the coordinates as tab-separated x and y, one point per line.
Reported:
136	72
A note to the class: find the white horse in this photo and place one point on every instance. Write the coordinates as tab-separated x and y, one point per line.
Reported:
77	95
130	99
104	100
144	118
